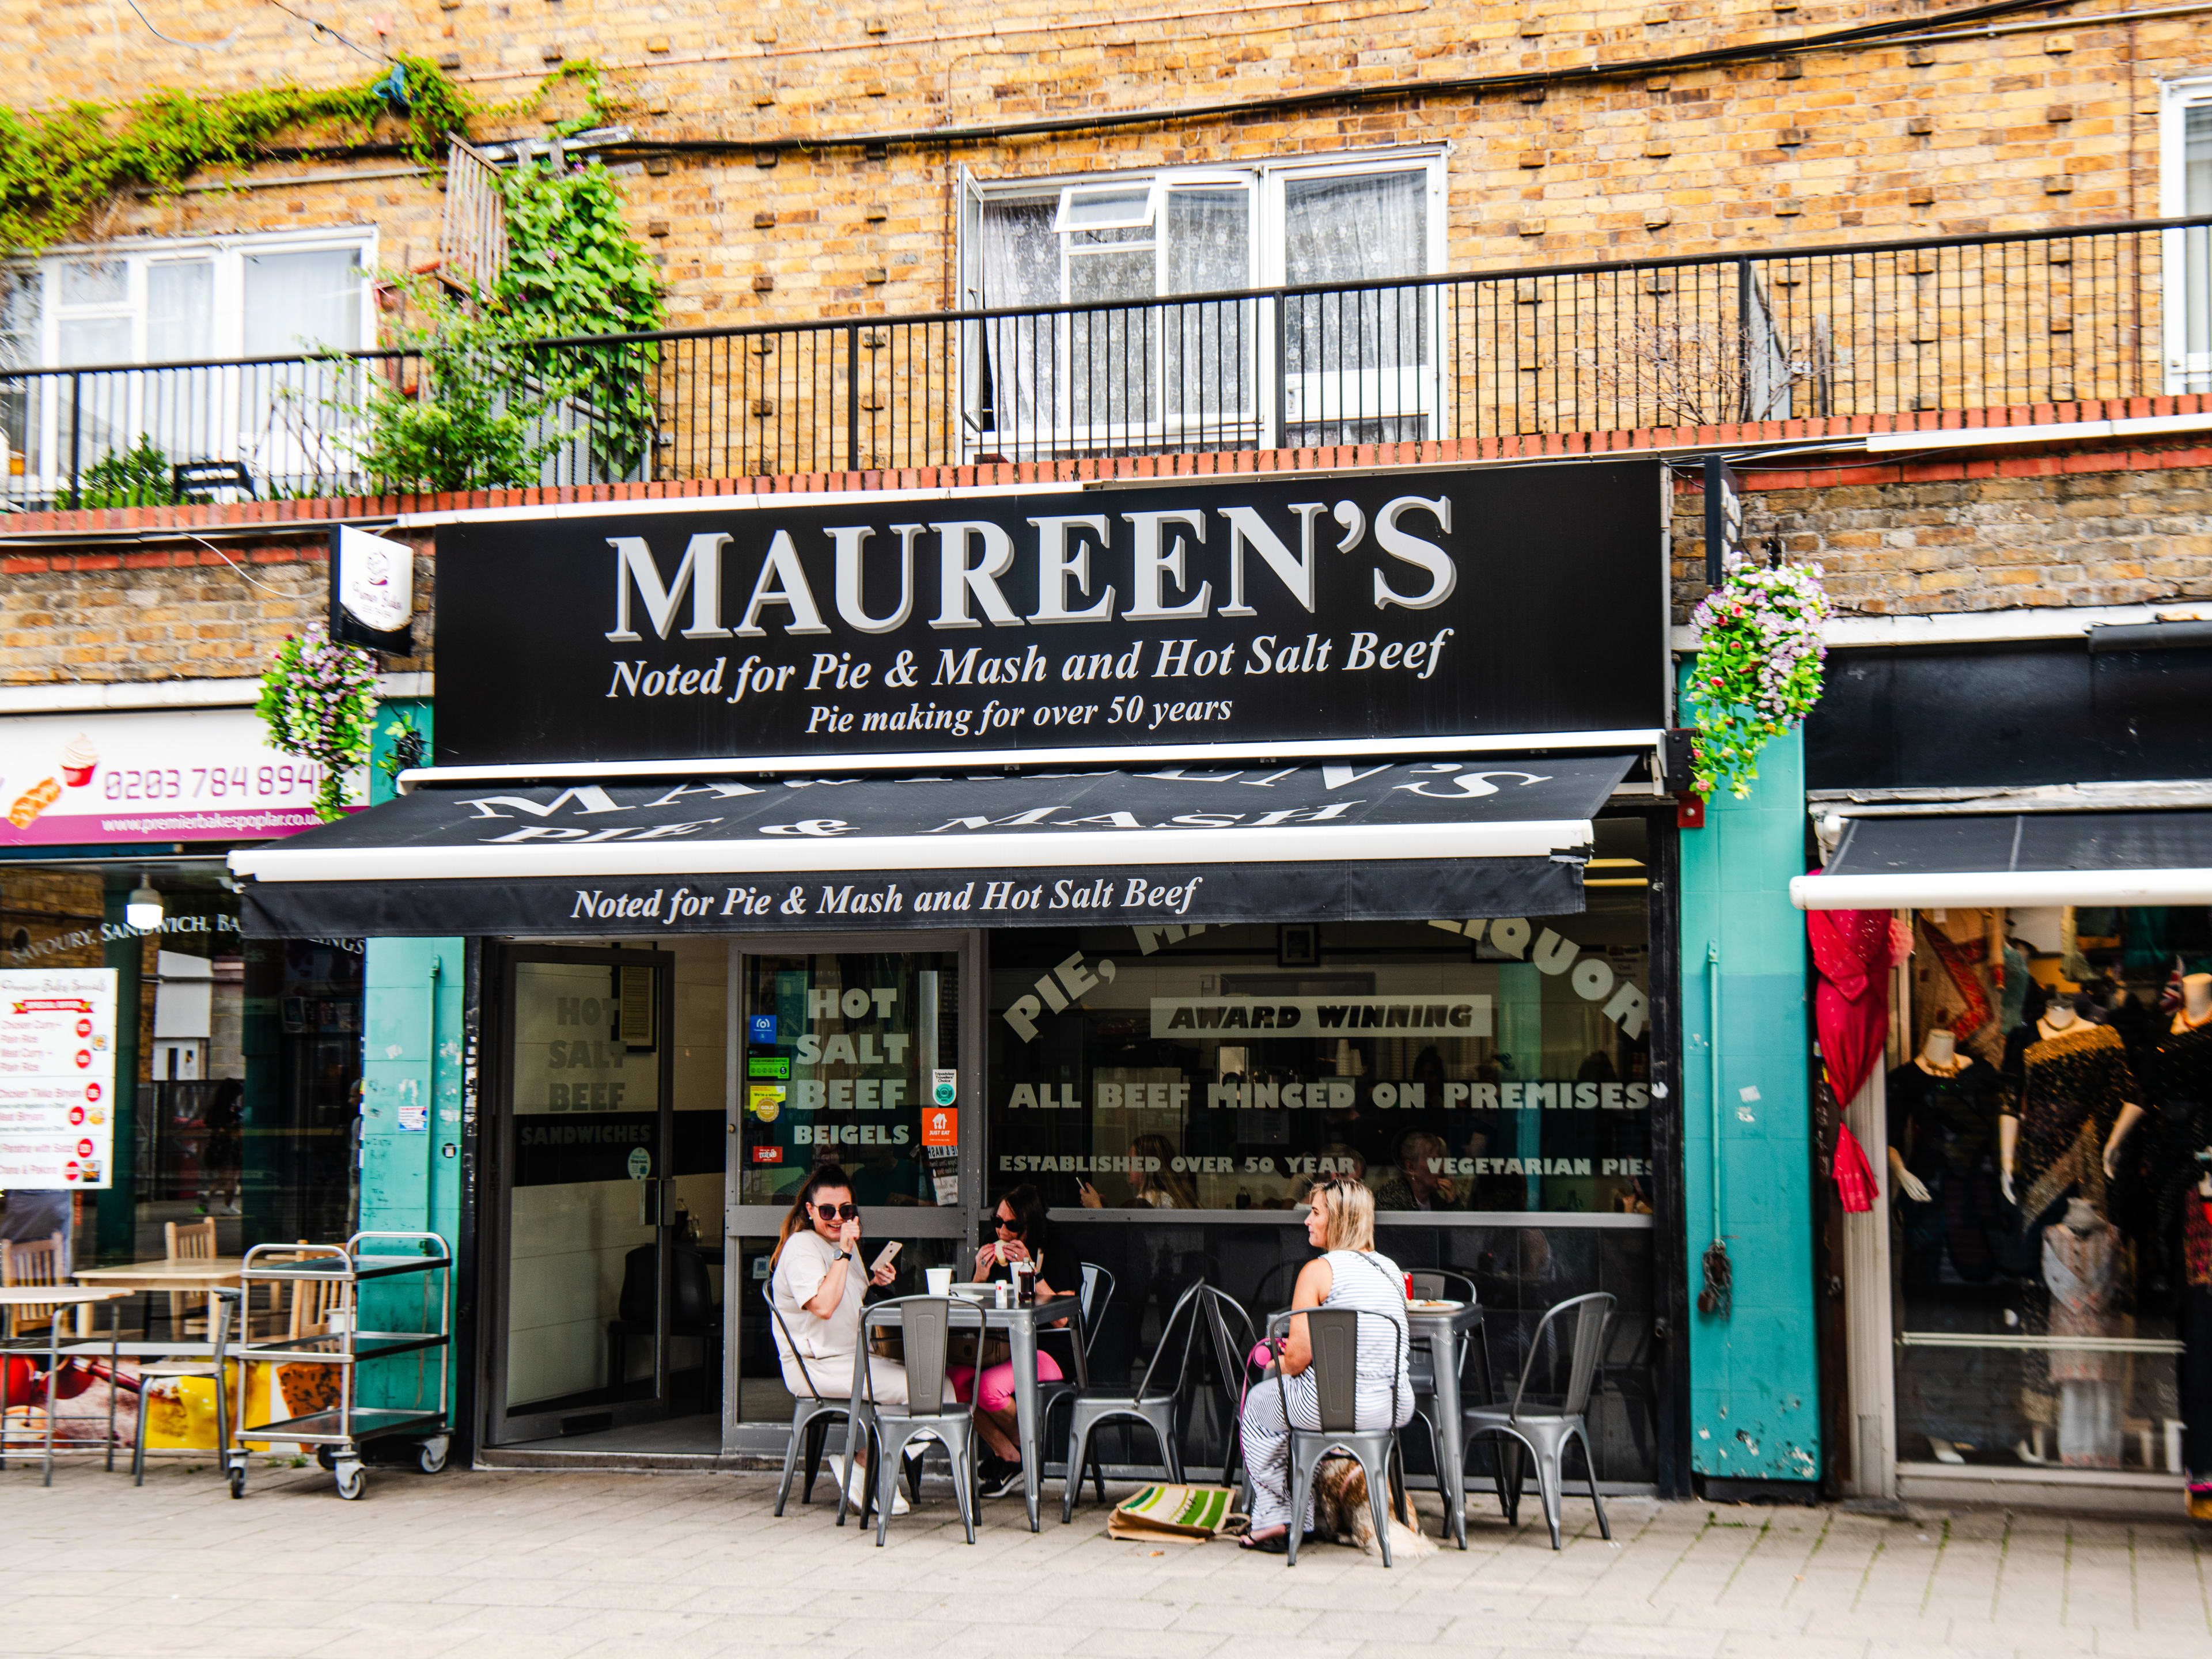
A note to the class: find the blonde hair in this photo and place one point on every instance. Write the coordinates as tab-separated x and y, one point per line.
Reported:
1348	1209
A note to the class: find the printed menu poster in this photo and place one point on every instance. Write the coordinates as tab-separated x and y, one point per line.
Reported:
57	1077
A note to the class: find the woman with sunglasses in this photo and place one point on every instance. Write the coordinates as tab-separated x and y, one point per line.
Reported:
817	1285
1018	1235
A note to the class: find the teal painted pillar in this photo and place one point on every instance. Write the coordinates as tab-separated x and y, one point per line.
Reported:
414	999
1754	1373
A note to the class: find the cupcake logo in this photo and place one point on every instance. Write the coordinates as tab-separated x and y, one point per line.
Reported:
79	761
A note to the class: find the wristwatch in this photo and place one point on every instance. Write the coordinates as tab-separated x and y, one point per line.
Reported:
842	1255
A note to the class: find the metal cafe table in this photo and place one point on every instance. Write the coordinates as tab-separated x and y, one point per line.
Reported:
1441	1329
56	1297
1020	1326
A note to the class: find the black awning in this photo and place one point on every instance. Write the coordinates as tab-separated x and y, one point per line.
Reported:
1469	838
2015	857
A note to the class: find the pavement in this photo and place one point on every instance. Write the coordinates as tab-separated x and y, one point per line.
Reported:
593	1567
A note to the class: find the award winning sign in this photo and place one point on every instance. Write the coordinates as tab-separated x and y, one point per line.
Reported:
57	1077
1259	609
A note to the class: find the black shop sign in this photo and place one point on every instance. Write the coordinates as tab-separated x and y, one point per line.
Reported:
1488	603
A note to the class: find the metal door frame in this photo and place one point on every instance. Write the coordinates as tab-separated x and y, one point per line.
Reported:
502	1427
759	1220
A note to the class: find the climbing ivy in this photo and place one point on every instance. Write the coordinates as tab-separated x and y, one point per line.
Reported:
59	167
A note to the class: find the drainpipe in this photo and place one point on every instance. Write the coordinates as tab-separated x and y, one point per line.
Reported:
430	1130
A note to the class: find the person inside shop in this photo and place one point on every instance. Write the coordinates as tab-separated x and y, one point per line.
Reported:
817	1283
1018	1229
1351	1274
1420	1182
1155	1182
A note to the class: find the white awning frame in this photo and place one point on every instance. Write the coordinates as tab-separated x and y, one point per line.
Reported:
1995	888
584	859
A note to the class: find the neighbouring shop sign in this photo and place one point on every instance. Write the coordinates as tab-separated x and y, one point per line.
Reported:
1254	609
57	1077
169	775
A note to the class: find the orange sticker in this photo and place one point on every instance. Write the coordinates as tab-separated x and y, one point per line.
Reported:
941	1126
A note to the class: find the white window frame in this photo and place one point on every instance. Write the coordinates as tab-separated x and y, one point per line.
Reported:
1386	392
226	299
2185	256
73	416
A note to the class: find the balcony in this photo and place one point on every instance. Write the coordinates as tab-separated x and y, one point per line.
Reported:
1888	329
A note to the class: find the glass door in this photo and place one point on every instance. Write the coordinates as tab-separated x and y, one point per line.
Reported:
848	1052
586	1144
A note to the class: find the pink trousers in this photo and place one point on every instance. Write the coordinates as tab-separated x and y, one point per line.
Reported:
997	1390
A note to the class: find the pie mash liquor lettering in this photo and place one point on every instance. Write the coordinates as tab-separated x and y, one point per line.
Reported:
57	1077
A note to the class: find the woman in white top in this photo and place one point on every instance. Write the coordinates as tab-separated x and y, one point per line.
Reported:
818	1286
1352	1274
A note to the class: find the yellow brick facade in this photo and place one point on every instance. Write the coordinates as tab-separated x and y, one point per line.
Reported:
2036	127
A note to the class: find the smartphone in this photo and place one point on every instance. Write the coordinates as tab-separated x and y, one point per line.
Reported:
884	1258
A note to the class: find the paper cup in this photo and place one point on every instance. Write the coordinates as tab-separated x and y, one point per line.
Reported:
940	1280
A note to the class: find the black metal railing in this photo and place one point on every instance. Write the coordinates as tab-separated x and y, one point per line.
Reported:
1947	322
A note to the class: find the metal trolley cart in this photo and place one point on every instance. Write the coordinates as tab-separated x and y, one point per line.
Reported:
328	1278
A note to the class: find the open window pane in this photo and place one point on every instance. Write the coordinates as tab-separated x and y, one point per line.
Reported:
1107	207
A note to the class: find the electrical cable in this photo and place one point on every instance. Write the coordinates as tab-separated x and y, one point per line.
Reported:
324	28
239	567
189	45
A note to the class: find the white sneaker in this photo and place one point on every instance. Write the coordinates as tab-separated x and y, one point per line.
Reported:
856	1491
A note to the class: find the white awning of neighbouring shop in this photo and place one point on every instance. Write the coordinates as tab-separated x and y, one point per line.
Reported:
1468	837
1987	859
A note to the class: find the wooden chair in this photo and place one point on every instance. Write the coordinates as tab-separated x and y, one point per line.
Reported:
314	1302
190	1241
31	1262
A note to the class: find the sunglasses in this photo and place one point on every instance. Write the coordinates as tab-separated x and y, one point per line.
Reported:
837	1212
1004	1225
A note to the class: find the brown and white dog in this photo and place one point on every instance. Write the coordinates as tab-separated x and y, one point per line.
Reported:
1341	1511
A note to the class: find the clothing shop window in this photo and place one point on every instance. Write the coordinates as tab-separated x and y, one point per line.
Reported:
1122	372
2043	1139
1229	1067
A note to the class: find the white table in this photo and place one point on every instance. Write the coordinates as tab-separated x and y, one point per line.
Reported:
56	1296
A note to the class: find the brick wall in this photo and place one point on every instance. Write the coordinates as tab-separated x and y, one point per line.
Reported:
2035	526
2009	131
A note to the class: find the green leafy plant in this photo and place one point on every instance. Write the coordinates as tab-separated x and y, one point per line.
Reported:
136	476
318	702
476	406
58	166
1758	668
488	403
574	267
408	746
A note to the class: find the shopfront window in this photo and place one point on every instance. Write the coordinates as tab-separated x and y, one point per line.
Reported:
1497	1066
2043	1122
841	1053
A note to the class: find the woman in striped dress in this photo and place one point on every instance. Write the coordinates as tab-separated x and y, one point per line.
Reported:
1352	1274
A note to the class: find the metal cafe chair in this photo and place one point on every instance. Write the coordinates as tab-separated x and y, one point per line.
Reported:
1543	1426
1438	1284
811	1413
1092	1301
1334	1335
926	1323
1151	1402
1234	1337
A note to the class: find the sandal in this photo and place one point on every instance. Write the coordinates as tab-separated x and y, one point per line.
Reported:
1279	1544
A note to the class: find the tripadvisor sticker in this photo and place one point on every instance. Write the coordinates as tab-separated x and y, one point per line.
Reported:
765	1101
641	1163
943	1086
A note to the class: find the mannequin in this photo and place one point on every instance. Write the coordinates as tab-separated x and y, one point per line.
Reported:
1939	1056
2196	1008
2183	1088
2081	1266
1943	1110
2070	1074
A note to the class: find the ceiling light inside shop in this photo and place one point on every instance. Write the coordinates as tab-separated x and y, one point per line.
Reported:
142	909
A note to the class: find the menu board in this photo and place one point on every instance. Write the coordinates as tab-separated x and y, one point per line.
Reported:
57	1077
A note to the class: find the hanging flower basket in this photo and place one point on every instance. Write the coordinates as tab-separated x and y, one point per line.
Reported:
1758	668
319	699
